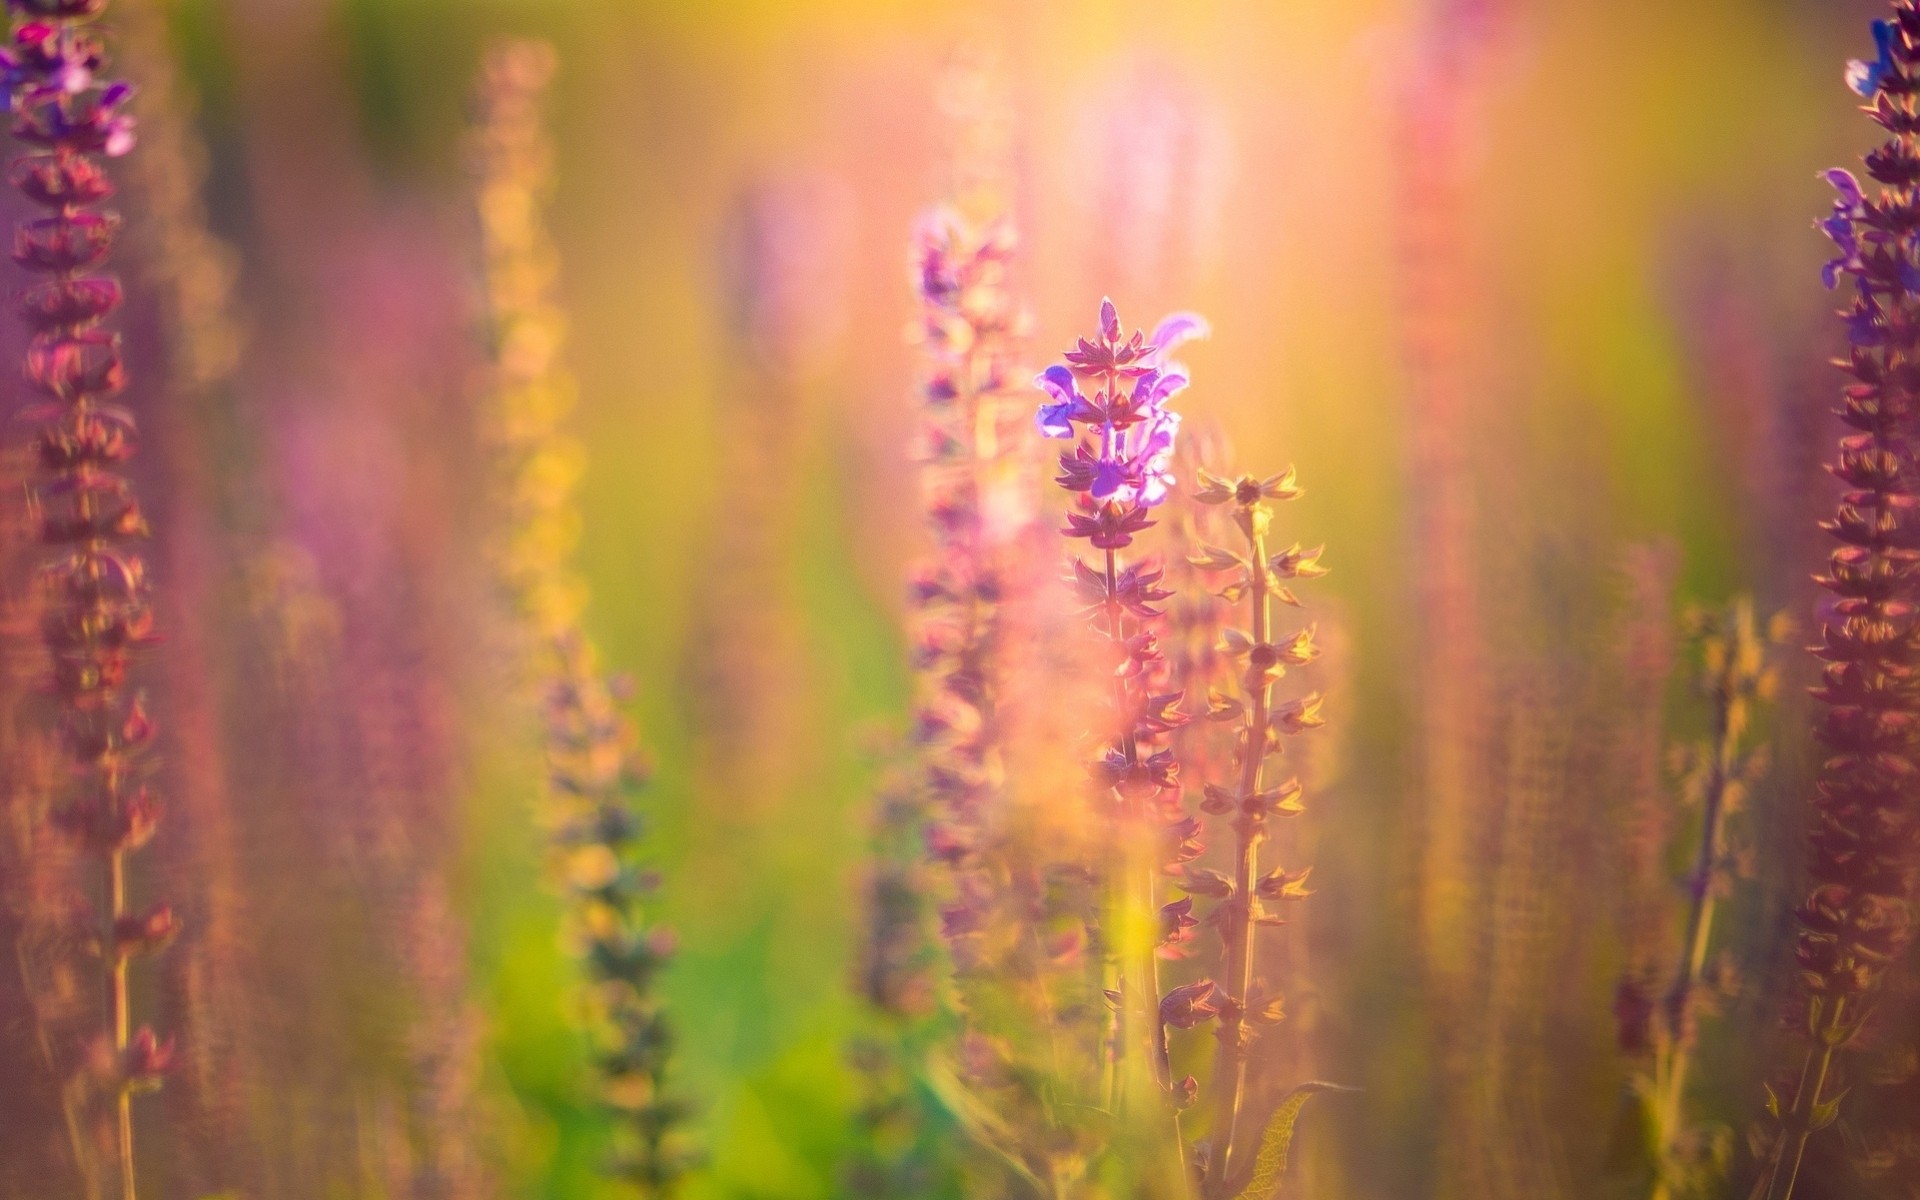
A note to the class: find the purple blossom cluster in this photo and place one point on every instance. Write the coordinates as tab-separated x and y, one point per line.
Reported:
968	331
1856	923
1112	391
98	615
1124	459
1013	908
50	77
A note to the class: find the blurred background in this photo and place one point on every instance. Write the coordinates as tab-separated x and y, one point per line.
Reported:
1527	290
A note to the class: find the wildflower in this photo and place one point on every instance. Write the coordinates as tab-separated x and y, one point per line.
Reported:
1129	460
1865	78
592	762
1657	1008
1259	658
1848	210
97	615
1011	912
1110	392
1857	918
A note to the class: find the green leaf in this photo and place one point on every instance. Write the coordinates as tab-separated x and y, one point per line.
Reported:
981	1124
1270	1165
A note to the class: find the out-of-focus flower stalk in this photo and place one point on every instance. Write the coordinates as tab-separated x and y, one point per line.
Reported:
98	612
1660	1016
1857	920
1638	751
1455	712
1015	945
592	759
1261	659
191	273
37	880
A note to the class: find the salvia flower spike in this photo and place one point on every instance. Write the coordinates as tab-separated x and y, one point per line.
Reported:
1110	395
1259	657
1659	1008
1857	918
1009	914
98	614
967	334
593	761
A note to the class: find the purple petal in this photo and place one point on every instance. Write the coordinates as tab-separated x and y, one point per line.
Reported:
1108	478
1158	486
1167	385
1830	274
1052	420
1057	381
1157	448
71	78
1109	321
1177	328
1843	182
1862	330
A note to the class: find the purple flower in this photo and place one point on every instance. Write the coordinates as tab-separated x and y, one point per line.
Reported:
1865	77
1840	226
1128	450
46	62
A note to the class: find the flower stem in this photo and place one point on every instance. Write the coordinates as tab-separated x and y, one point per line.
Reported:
1783	1172
1675	1054
1250	832
117	1001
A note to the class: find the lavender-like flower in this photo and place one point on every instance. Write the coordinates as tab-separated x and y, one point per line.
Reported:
1012	913
1658	1006
592	758
97	614
1857	920
1111	393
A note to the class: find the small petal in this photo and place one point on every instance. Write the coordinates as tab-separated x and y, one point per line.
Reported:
1843	182
1109	321
1177	328
1057	381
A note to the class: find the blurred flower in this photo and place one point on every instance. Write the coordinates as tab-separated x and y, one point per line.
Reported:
1865	78
1848	209
592	760
1657	1005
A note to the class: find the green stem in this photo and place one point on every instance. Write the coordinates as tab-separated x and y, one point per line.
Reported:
1676	1054
1784	1171
118	1003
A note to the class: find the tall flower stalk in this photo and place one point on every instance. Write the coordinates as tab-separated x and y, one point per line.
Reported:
593	763
1857	919
1110	396
97	616
1659	1008
191	275
1456	713
1013	905
1261	657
